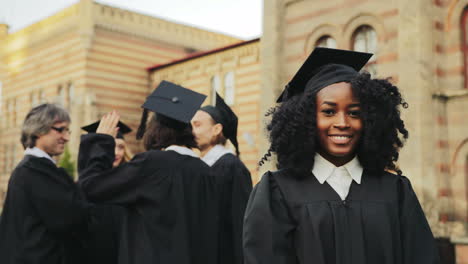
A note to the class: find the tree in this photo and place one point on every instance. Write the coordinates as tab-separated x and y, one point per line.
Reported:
67	163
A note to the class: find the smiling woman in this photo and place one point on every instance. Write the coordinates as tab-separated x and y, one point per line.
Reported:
337	135
339	123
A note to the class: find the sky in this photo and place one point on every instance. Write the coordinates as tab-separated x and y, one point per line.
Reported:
238	18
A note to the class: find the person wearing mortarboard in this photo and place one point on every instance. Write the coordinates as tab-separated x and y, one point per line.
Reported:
212	127
168	192
338	195
122	151
103	235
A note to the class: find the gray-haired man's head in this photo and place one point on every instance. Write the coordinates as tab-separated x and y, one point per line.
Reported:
47	127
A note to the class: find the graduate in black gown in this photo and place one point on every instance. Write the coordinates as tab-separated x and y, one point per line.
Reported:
212	127
338	196
105	223
44	212
168	192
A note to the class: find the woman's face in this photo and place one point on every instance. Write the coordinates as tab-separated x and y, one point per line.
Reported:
119	151
339	123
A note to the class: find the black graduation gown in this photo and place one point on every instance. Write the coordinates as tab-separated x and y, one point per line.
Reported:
103	236
234	186
170	200
291	220
43	214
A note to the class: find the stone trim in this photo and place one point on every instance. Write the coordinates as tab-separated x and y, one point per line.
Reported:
320	31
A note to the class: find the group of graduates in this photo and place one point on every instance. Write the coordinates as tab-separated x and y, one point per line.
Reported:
338	196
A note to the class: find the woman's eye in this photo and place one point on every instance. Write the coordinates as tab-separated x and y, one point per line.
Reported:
355	113
328	111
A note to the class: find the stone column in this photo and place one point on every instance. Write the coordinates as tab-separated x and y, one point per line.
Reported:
271	46
417	81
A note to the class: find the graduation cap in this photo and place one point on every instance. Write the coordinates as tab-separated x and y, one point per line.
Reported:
173	101
123	128
324	67
223	114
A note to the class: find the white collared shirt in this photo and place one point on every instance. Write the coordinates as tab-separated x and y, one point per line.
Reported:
37	152
339	178
182	150
215	153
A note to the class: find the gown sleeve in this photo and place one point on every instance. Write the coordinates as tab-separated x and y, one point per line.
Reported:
418	244
102	183
240	192
268	226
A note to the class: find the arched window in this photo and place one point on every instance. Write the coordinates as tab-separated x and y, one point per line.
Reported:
215	87
229	90
365	40
326	42
464	29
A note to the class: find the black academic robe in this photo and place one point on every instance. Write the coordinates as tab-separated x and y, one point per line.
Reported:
291	220
234	187
43	214
103	236
170	201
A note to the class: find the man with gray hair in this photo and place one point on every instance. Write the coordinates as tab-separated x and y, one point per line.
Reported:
44	209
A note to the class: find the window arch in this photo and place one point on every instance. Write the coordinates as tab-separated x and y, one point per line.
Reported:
365	40
326	42
229	90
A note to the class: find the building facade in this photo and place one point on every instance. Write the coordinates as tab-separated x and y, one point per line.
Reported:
90	58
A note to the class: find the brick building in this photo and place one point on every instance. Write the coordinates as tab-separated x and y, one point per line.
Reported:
99	57
91	58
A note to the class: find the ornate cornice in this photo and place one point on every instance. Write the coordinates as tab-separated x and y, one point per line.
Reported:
86	15
141	25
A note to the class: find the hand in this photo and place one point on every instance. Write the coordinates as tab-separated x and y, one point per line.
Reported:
108	124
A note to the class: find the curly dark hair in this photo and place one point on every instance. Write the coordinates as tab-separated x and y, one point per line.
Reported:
293	131
163	131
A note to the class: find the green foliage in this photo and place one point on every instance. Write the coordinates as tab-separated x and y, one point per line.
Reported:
67	163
